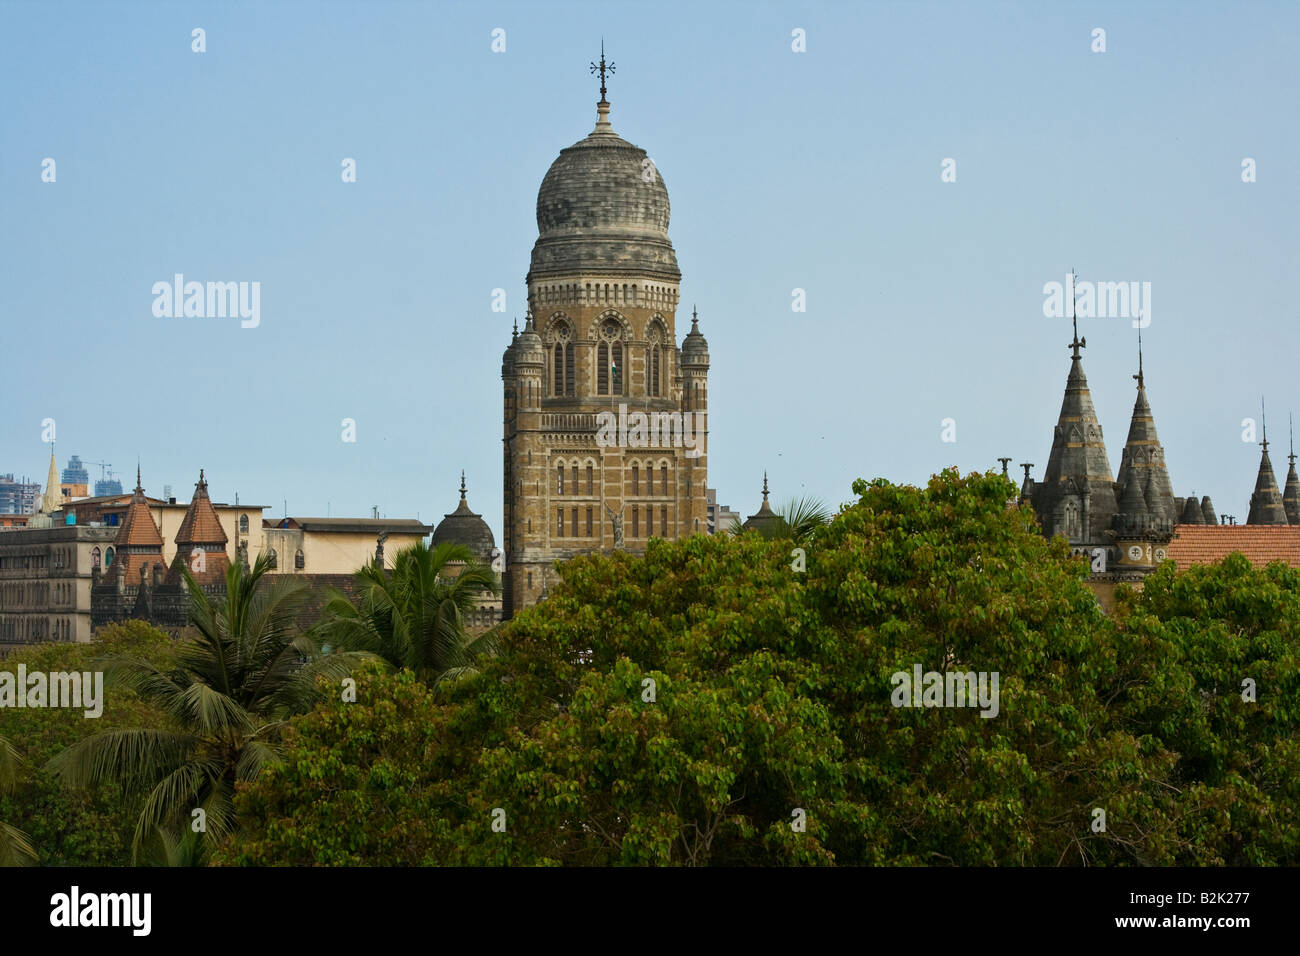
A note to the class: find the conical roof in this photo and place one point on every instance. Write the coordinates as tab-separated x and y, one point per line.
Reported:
201	524
138	529
1144	458
765	518
1207	509
1266	502
1192	513
1291	494
465	527
51	500
1078	464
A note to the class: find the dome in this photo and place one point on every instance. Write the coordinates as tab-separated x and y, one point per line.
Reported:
463	526
603	208
695	348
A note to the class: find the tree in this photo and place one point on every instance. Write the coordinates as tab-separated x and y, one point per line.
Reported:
15	846
414	616
245	671
710	704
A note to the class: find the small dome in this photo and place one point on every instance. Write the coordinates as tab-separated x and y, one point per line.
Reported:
465	527
603	206
695	348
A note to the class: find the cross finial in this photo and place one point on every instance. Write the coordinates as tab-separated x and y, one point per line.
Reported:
602	69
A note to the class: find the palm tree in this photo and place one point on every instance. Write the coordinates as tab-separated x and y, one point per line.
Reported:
248	669
414	616
800	517
15	848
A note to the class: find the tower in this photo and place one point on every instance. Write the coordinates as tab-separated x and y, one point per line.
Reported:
1076	495
200	542
1266	501
604	415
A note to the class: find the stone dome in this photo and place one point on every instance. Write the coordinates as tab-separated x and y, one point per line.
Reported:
603	209
695	347
465	527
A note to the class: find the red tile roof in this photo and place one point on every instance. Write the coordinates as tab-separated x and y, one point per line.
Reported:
1260	543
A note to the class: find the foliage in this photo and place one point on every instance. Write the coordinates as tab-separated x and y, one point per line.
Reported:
243	673
414	616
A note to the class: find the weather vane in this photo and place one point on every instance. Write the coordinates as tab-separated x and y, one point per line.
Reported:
602	69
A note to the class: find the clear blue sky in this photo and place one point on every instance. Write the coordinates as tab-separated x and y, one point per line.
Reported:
818	170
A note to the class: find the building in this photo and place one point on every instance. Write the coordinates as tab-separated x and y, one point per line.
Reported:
765	520
599	348
75	473
722	520
1129	525
18	497
314	546
464	527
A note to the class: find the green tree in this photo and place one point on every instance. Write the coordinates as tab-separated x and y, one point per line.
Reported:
246	670
15	846
709	704
414	615
78	827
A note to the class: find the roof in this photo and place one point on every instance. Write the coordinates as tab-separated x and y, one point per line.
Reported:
352	525
1259	543
463	526
137	528
200	524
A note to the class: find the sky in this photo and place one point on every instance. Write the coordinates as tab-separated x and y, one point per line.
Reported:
820	170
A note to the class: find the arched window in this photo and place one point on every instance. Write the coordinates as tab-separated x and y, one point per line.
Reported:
636	480
663	521
559	522
654	371
559	480
575	479
299	561
589	470
108	558
557	370
616	367
243	524
274	559
602	369
568	369
636	522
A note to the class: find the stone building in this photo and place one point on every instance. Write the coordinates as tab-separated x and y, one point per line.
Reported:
599	347
464	527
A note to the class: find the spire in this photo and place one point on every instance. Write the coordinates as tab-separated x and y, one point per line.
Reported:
764	518
139	488
1076	495
1142	463
462	484
1077	342
1291	496
602	108
51	500
765	486
1266	502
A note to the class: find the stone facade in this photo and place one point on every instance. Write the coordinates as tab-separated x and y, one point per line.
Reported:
599	346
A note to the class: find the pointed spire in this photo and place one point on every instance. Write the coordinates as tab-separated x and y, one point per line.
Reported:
462	484
1192	513
1142	462
51	500
1291	495
1266	502
139	488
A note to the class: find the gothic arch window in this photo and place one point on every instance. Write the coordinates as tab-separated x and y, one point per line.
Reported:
108	558
559	480
663	479
654	370
610	373
299	561
616	367
575	478
1071	520
274	559
602	369
636	479
243	524
590	471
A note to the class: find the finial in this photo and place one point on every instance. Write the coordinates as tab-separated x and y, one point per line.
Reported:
1004	466
602	69
138	486
1291	421
695	319
1026	465
462	484
1138	376
1263	421
201	478
764	486
515	334
1077	343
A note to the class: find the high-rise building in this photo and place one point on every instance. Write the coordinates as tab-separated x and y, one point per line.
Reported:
18	497
604	413
75	473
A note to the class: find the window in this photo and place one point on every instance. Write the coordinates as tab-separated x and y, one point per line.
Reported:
649	522
559	480
588	522
243	524
663	521
654	370
636	522
299	561
663	479
568	369
559	515
574	515
575	479
108	558
274	559
557	371
589	471
636	480
616	367
602	369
